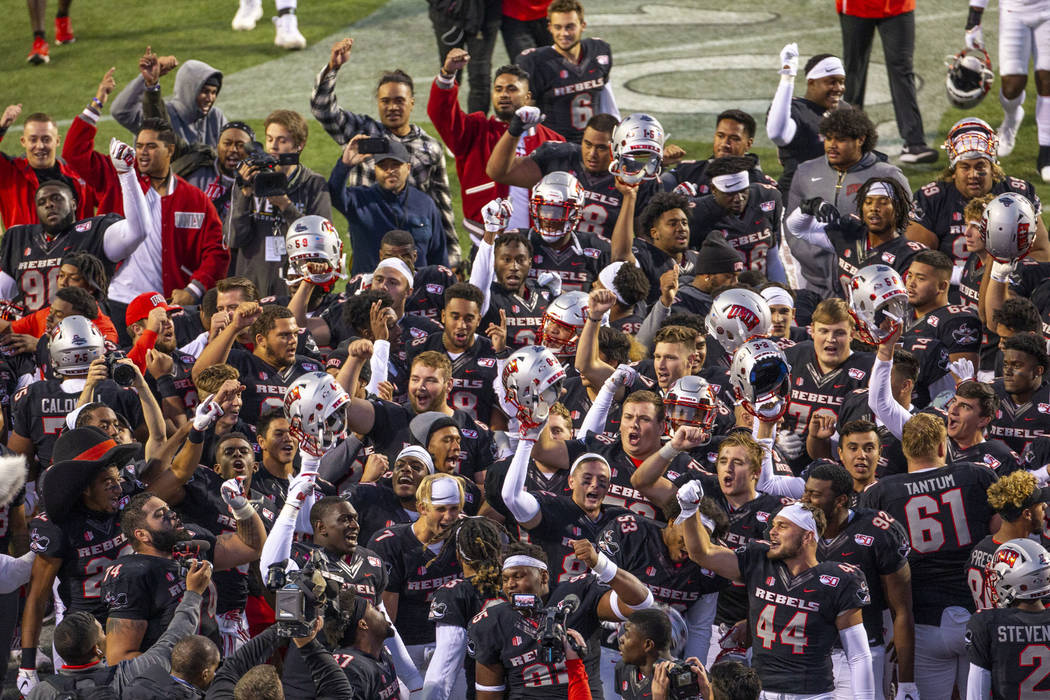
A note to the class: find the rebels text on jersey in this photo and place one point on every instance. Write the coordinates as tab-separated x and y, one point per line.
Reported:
563	520
265	384
599	189
851	257
414	572
752	233
33	258
472	374
815	392
978	577
1018	425
578	263
1009	643
568	92
793	618
524	312
945	512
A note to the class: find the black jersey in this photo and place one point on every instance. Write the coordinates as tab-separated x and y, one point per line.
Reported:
852	256
39	411
933	358
978	576
792	619
33	258
524	312
655	262
692	300
473	374
574	397
564	520
377	508
502	636
556	482
807	143
992	453
269	493
414	572
568	92
87	543
958	328
1015	646
632	322
455	604
1018	425
945	512
695	173
753	233
371	678
599	189
428	291
179	384
631	683
877	545
578	263
265	384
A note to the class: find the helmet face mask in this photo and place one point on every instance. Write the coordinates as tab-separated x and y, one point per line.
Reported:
970	77
532	379
878	303
315	252
556	205
562	322
691	401
971	138
316	409
637	149
1008	227
1019	570
761	379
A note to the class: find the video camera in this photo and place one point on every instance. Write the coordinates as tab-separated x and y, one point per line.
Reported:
269	182
683	683
299	595
551	637
185	551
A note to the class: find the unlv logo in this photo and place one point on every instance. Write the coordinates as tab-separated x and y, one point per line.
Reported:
748	317
1006	555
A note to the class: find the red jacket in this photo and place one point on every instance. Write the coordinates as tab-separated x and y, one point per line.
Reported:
190	252
18	183
471	138
875	9
525	10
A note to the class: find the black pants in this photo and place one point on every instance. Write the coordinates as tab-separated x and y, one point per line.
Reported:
450	36
898	44
519	35
117	312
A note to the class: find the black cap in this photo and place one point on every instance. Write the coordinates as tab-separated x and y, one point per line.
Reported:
718	257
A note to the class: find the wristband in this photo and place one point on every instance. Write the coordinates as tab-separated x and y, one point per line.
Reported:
973	19
153	88
97	102
592	318
28	659
166	386
605	569
196	436
245	512
669	452
445	82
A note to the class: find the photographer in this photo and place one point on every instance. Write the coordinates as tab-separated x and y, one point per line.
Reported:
646	668
255	228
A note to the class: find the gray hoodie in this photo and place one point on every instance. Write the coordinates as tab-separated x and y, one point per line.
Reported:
816	178
186	117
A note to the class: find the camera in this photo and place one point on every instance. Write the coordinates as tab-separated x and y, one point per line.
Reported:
551	637
268	182
122	374
682	682
297	599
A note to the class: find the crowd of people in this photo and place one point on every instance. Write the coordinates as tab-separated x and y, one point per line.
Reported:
666	428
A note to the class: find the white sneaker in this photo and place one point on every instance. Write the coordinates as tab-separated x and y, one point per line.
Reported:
288	36
1045	173
1008	133
249	12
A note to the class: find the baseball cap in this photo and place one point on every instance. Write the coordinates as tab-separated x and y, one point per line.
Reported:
395	151
141	305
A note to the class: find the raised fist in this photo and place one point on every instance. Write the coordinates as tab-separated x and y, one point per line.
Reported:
122	156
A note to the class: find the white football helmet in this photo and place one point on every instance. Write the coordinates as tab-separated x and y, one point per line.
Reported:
637	149
1020	570
878	302
971	138
315	406
1008	227
532	380
556	205
691	401
761	379
737	316
315	252
75	343
562	322
970	77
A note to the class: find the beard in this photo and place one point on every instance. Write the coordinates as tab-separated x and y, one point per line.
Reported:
786	552
165	540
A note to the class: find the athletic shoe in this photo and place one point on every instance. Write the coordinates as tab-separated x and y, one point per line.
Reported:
920	153
249	12
63	32
1008	134
38	56
288	36
1043	163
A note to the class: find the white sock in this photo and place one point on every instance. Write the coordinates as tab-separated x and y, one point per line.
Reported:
1011	108
285	4
1042	119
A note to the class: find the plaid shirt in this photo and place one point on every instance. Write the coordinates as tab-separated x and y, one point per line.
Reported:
428	157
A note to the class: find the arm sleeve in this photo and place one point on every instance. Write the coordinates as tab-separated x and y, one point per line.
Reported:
278	545
598	414
579	687
406	669
978	683
608	101
522	504
855	645
780	127
651	324
768	482
328	678
806	227
255	652
121	238
379	363
14	571
444	666
481	272
237	230
8	286
775	271
336	462
881	401
126	107
183	623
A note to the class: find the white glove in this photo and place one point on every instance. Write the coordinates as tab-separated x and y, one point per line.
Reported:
550	280
122	156
300	488
1001	271
624	375
689	497
529	116
961	368
907	691
206	414
496	214
27	680
232	491
974	40
790	443
685	188
789	60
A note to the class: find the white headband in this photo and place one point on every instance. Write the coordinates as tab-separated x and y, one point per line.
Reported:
606	277
777	296
880	189
707	522
800	516
399	265
445	492
419	453
734	182
523	560
828	66
588	457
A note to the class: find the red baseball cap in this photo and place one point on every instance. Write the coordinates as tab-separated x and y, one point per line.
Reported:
141	305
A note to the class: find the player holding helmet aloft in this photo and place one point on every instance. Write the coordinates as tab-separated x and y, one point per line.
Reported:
1006	644
737	315
665	245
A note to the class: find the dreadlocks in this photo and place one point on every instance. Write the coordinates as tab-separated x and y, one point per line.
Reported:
901	201
92	270
479	544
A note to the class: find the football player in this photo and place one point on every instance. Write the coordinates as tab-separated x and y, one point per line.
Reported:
380	505
631	287
1021	504
665	223
429	282
958	328
999	640
1024	403
556	207
945	511
793	627
211	382
570	79
734	136
360	652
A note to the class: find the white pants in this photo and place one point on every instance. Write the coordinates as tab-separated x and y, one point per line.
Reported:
421	655
940	656
233	629
843	681
1024	30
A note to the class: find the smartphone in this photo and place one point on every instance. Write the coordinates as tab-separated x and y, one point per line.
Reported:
373	144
